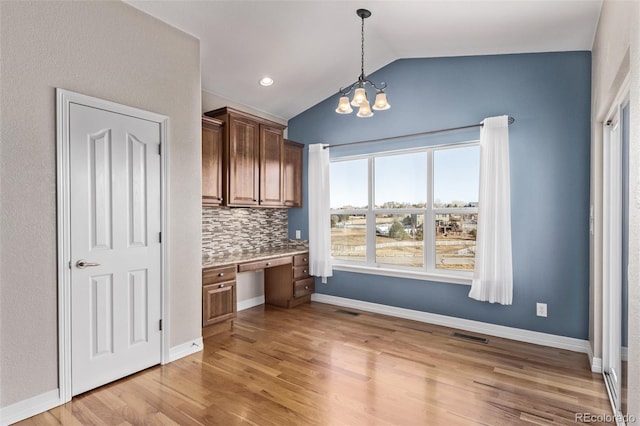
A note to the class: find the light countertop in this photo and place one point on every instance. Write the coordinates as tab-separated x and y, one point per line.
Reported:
252	256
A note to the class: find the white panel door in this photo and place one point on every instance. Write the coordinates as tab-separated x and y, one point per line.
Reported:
115	246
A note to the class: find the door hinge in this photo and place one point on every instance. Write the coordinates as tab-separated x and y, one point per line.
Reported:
160	325
159	237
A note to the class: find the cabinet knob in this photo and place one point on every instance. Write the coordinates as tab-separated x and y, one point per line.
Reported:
306	287
305	271
268	263
221	274
305	260
221	285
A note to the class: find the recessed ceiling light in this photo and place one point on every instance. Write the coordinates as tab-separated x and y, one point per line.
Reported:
266	81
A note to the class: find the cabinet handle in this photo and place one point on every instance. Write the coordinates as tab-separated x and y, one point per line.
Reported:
221	285
221	274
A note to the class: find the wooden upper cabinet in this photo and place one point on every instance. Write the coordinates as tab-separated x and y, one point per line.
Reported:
292	174
244	177
271	156
253	159
212	162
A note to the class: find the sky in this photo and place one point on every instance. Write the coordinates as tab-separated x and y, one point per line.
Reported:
403	178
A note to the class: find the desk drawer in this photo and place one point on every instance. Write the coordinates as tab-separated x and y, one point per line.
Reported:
262	264
217	275
300	272
304	287
301	259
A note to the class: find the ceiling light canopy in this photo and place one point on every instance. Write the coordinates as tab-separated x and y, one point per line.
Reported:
358	88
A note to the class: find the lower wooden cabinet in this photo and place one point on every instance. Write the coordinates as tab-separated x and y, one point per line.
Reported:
219	303
289	285
303	284
218	295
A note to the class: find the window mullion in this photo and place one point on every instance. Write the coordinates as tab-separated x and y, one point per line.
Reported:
428	232
371	218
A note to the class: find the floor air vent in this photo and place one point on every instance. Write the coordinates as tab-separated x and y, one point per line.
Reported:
343	311
470	338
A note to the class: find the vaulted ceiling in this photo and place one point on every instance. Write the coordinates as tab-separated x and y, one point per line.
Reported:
311	48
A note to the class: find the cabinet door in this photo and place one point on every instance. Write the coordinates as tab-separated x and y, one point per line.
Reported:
218	302
243	162
212	163
292	181
271	155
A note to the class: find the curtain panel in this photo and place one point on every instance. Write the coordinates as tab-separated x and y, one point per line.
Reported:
319	218
493	274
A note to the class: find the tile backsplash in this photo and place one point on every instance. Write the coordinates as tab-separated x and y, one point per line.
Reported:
231	231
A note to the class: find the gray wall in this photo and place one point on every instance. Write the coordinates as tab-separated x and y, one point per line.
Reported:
112	51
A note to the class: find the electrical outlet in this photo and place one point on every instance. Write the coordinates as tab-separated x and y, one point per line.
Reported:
298	234
541	309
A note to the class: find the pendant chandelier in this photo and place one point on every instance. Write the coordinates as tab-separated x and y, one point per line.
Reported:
358	88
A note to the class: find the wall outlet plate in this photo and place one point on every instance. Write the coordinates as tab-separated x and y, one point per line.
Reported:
541	309
298	234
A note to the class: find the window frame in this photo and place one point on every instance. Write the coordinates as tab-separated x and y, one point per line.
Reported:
428	271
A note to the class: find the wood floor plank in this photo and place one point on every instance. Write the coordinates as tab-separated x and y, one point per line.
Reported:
317	365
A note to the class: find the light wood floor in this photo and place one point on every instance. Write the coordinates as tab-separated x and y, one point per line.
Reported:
315	365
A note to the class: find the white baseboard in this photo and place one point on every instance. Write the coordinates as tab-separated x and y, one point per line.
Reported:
29	407
595	362
185	349
596	365
250	303
544	339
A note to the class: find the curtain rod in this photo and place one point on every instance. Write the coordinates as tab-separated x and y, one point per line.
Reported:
431	132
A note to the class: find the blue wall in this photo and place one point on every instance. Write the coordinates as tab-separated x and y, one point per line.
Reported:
549	94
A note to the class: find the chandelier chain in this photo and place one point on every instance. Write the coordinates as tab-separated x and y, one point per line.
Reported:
362	50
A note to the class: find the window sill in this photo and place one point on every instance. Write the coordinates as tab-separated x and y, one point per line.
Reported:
399	273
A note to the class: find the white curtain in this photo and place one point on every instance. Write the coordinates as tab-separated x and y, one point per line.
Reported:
319	218
493	275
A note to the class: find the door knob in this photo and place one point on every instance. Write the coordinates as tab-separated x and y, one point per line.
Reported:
81	264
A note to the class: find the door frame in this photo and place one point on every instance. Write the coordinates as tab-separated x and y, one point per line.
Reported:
64	98
612	243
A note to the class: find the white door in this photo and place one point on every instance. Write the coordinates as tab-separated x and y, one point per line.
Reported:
115	223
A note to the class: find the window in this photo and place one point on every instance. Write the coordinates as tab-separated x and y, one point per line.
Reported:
411	211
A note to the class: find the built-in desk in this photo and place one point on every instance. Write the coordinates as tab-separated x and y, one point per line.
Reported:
286	283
